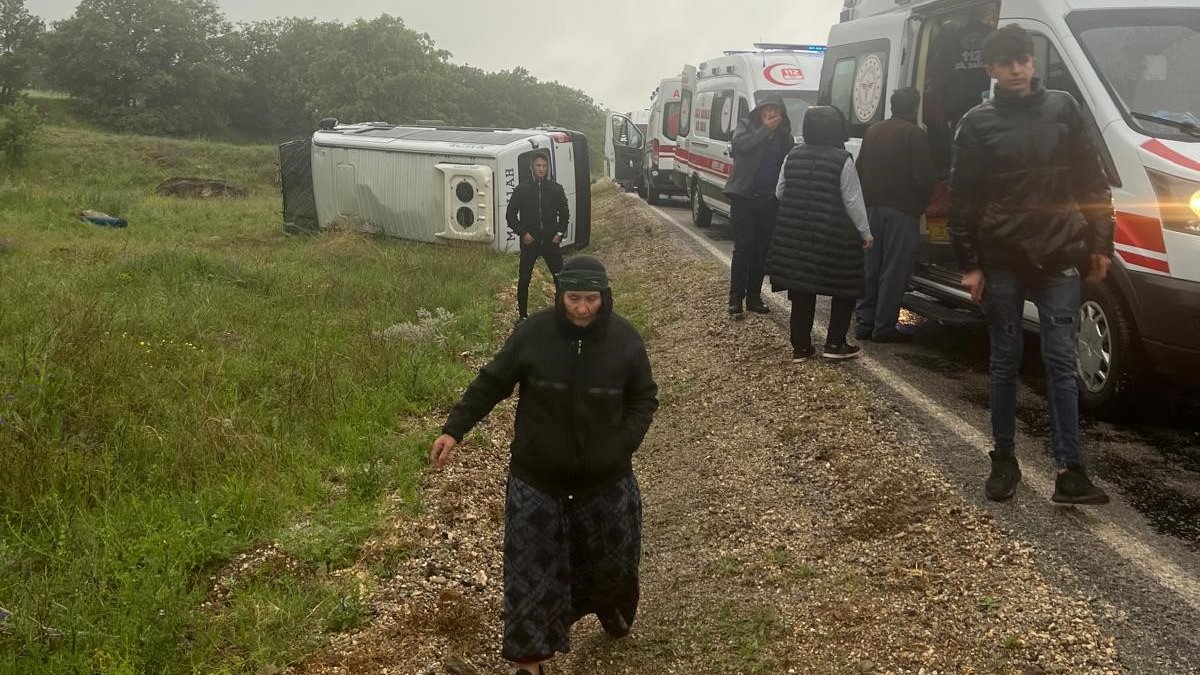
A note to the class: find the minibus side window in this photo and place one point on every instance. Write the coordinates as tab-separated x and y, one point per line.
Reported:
743	109
843	85
857	83
721	119
670	121
1053	71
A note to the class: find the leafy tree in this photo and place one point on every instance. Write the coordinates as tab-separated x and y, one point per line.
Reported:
144	65
270	63
381	70
19	35
19	127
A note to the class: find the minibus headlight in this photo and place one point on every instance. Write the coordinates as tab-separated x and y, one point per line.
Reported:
1178	201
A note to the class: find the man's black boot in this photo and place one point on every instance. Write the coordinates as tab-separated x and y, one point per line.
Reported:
1074	487
1002	482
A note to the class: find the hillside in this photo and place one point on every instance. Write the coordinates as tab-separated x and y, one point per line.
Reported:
197	390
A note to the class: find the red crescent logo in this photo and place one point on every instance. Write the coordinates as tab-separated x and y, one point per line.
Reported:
783	74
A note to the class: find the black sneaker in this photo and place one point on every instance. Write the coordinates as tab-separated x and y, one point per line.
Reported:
614	623
862	332
735	312
1074	487
841	352
802	355
757	306
1002	482
519	320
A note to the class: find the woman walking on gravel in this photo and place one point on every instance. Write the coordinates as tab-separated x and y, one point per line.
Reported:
572	522
820	234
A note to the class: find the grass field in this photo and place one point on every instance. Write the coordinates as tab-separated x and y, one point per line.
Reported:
198	386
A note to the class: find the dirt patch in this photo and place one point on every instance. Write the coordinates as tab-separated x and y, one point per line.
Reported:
788	529
199	188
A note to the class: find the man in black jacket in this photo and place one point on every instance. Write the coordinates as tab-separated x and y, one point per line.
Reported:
1030	212
572	537
538	213
760	144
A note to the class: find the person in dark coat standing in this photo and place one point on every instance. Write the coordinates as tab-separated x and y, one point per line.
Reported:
538	213
573	513
760	143
1030	214
896	169
817	248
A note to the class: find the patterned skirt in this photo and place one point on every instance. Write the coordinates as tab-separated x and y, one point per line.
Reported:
565	558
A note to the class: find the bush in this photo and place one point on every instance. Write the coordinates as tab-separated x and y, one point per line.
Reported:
19	126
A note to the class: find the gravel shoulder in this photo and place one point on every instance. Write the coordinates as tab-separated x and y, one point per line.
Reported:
790	527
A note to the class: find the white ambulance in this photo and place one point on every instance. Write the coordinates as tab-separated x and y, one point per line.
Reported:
717	94
1134	67
662	133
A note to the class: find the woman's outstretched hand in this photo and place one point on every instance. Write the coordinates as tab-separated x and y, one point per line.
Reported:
443	447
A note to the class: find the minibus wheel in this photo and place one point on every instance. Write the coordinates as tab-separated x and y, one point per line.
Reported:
701	214
651	195
1109	358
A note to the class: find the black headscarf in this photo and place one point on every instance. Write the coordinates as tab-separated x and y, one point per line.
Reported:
583	273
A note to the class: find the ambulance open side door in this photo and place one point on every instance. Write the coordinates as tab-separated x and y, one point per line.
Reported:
623	144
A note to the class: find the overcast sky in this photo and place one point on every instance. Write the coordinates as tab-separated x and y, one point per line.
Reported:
614	50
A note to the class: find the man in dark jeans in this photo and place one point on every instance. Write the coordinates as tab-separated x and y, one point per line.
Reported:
1030	212
538	213
760	144
896	169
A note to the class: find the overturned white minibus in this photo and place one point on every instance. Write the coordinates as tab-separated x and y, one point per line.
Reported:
430	184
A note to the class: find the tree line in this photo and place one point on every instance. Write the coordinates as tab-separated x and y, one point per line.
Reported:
179	67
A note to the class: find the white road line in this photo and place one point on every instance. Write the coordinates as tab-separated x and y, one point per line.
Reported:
1116	536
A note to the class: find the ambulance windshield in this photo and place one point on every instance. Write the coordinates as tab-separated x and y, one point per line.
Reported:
797	103
1150	60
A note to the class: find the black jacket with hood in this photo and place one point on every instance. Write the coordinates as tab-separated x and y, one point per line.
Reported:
1027	190
587	397
750	142
538	208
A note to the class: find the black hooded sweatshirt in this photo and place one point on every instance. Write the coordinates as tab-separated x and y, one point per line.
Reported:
586	401
754	144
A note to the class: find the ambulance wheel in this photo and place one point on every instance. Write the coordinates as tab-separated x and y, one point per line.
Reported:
1109	358
701	214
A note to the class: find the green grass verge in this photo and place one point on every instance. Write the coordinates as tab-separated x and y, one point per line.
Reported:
194	387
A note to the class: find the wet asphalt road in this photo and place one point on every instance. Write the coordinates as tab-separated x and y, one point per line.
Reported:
1137	562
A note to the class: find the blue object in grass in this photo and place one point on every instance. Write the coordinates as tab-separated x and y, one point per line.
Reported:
102	219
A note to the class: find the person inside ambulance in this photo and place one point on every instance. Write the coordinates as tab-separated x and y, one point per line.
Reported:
959	72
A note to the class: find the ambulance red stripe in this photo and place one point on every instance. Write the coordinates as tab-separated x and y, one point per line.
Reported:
1157	147
1142	261
1140	231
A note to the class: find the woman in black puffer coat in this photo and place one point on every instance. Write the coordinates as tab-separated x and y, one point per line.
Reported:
820	234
